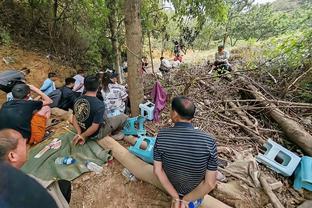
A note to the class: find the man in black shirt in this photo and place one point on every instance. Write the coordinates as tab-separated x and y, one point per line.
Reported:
68	96
88	112
26	116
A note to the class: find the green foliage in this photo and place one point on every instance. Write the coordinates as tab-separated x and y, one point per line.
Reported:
5	37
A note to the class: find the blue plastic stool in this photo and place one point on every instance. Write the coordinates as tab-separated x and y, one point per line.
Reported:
147	154
147	110
134	126
273	150
303	174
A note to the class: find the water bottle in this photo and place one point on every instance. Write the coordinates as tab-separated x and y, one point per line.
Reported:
195	204
65	161
94	167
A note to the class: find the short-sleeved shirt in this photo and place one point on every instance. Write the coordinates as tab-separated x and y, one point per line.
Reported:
186	154
79	80
17	115
88	110
114	98
48	86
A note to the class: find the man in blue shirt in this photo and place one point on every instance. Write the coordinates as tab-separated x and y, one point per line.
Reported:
48	84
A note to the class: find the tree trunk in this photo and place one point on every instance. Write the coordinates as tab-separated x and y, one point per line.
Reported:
113	22
293	130
134	54
150	50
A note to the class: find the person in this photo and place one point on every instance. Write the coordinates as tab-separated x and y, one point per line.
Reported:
88	118
79	81
48	85
165	65
13	155
68	96
177	51
26	116
222	59
9	78
114	95
185	159
144	64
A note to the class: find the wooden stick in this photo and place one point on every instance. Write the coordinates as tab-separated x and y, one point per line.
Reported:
268	190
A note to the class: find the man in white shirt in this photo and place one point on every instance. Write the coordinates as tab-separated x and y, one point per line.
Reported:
165	65
222	59
78	87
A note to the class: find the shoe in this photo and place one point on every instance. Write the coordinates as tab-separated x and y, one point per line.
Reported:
118	136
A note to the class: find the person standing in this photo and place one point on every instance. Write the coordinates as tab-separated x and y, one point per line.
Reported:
48	85
79	77
185	159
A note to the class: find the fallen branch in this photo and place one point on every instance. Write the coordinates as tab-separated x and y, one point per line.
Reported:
293	130
268	190
237	176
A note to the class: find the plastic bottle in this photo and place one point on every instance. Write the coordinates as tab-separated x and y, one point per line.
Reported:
64	161
94	167
195	204
128	175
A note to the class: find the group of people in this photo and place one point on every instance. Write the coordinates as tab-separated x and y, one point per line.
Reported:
185	158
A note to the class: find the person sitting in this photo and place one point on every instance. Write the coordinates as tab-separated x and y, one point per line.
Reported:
26	116
165	65
185	159
222	59
48	85
9	78
88	118
13	152
79	77
68	96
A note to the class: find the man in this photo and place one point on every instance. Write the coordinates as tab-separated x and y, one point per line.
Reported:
88	118
13	152
79	81
185	159
24	115
9	78
48	85
222	59
68	96
88	112
165	65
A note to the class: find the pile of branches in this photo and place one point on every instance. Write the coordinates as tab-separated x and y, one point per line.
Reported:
241	114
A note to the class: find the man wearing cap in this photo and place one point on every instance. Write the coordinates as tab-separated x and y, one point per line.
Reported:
26	116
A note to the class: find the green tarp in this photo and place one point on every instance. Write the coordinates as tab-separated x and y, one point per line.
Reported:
45	167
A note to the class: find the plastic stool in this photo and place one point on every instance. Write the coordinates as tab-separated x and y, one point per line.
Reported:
147	110
303	174
274	150
134	126
147	154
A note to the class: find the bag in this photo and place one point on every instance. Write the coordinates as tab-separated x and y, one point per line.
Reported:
56	96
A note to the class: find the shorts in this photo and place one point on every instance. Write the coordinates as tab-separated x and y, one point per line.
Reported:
38	127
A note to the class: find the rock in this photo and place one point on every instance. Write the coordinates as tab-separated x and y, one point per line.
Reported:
306	204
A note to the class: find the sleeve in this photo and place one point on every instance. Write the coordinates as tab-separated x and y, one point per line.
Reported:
157	149
36	105
123	94
99	116
45	86
212	163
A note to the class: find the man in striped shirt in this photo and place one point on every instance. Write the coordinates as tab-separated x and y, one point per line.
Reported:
185	159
